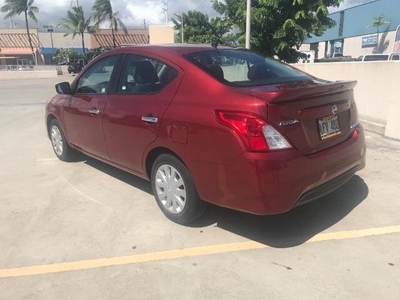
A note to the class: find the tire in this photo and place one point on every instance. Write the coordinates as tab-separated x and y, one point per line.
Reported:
59	143
174	190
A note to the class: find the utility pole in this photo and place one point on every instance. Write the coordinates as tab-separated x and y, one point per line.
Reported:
248	24
144	24
165	9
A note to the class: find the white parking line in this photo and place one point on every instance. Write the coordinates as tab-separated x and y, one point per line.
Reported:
78	191
46	159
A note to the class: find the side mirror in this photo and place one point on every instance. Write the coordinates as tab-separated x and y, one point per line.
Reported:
63	88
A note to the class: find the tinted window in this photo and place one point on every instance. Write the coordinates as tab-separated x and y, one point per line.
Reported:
96	79
142	75
395	57
244	68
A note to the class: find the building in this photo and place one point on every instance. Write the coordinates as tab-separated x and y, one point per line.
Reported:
15	49
352	36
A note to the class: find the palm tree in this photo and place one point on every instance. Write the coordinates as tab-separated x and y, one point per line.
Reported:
76	24
103	11
17	7
378	22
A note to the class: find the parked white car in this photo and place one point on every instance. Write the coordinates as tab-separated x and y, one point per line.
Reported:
379	57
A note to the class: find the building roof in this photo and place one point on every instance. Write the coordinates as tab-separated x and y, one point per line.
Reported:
18	40
106	40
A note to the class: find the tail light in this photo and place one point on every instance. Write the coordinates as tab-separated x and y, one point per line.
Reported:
256	134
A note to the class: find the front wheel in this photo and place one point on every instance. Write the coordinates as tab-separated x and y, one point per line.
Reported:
174	190
60	145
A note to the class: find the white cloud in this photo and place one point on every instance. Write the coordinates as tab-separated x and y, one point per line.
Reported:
349	3
131	12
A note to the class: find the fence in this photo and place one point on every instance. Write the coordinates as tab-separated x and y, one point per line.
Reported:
28	68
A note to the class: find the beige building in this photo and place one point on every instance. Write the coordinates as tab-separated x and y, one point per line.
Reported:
15	49
161	35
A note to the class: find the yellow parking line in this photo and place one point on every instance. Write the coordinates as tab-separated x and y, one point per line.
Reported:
46	159
175	254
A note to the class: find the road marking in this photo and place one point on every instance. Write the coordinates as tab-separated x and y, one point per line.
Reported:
46	159
182	253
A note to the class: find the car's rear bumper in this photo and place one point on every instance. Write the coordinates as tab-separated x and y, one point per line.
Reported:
275	182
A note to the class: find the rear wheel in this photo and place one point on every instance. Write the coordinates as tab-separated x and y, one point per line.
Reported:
174	190
60	145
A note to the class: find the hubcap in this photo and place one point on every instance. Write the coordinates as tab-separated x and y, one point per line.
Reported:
56	140
171	189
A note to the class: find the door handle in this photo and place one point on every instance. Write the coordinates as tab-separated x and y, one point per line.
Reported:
150	119
94	111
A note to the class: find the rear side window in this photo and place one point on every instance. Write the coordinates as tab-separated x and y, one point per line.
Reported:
244	68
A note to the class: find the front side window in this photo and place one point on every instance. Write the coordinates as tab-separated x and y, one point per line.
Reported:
143	75
96	79
244	68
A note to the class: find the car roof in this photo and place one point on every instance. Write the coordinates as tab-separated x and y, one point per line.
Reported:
177	48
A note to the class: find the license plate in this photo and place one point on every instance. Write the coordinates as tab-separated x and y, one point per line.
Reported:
329	127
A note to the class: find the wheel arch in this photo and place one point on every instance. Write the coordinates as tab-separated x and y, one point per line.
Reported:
49	119
156	152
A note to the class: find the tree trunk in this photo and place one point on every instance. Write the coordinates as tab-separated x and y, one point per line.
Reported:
29	37
113	37
83	46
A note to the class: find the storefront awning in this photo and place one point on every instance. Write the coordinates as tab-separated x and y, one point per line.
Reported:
16	51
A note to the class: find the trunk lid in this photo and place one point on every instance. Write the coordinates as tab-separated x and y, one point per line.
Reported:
314	116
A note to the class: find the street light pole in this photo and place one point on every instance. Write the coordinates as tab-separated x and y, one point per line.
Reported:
248	24
50	29
183	41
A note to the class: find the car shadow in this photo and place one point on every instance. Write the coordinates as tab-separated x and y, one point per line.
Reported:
294	227
121	175
280	231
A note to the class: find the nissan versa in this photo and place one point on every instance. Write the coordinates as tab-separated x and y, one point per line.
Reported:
205	124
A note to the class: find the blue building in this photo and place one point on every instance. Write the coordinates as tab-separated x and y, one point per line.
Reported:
352	36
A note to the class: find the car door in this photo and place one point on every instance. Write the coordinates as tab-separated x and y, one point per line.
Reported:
132	117
84	109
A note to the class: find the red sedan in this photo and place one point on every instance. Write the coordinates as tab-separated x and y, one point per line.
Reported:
217	125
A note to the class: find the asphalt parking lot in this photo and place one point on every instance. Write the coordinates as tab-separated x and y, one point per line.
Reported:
85	230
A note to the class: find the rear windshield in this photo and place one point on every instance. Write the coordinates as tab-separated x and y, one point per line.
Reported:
244	68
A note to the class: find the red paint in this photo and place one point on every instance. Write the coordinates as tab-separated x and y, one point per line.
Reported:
216	130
